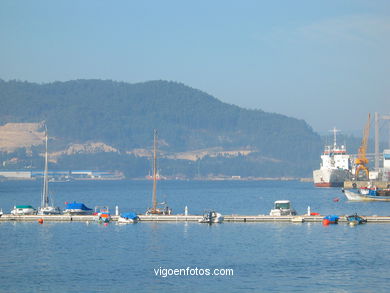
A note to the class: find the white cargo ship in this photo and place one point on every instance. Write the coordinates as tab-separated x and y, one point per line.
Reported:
335	167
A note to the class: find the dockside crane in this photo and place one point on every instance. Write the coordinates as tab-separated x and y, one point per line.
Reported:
361	161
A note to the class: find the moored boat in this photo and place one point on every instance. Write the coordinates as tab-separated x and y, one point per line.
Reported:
282	208
374	191
163	209
330	219
76	208
355	219
46	208
365	195
102	215
49	210
211	217
23	210
128	218
335	166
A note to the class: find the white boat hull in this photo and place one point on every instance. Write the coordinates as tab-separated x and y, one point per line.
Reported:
216	218
49	211
126	221
282	212
77	212
21	212
355	196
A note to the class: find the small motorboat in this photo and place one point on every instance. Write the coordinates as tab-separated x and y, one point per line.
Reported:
211	217
355	219
282	208
23	210
102	214
76	208
128	218
330	219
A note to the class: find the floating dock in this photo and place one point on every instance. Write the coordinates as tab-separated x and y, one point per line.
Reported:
188	218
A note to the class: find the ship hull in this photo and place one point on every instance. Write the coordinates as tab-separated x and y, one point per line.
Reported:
328	184
330	177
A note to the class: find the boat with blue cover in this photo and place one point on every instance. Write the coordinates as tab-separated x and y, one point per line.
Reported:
76	208
330	219
128	218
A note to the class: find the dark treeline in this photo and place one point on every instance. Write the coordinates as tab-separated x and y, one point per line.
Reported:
124	115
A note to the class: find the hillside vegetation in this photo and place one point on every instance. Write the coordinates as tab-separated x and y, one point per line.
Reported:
123	116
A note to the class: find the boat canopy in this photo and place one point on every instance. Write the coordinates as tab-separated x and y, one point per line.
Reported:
77	206
24	207
129	215
332	218
282	204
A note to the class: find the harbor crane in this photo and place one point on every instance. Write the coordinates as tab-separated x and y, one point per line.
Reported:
361	161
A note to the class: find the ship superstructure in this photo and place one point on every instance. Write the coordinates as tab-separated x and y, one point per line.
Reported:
335	165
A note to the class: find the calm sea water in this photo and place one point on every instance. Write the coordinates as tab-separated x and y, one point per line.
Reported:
264	257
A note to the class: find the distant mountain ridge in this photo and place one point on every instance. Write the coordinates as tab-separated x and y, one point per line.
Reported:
123	116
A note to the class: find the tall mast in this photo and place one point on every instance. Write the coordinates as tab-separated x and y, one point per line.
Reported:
45	191
154	170
335	137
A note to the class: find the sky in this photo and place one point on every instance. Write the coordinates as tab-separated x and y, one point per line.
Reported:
324	61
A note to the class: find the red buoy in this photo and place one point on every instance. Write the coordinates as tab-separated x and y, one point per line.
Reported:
40	221
325	222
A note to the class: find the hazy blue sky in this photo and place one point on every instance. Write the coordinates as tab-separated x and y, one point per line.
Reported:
323	61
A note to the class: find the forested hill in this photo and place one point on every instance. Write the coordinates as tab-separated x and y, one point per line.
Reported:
124	115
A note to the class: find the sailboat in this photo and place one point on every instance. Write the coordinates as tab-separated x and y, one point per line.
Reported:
46	208
162	210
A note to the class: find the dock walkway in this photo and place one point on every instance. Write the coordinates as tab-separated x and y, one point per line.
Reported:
188	218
